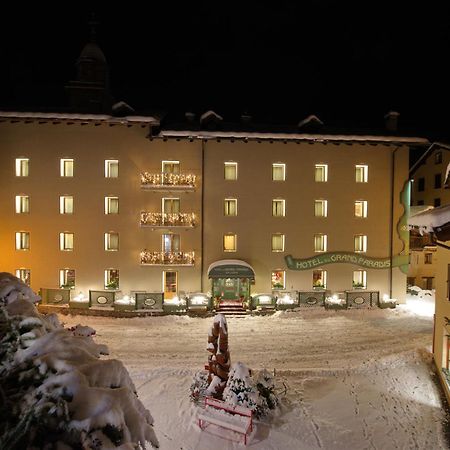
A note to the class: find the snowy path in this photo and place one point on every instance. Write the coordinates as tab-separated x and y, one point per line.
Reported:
357	379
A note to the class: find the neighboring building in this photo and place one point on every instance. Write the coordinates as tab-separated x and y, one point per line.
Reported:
436	224
430	175
430	189
101	202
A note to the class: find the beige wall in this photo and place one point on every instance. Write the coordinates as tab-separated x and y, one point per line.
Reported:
89	146
442	310
255	190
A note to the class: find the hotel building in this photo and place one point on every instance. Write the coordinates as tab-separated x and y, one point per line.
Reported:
96	202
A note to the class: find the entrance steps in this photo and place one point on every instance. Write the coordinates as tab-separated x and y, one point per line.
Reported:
231	308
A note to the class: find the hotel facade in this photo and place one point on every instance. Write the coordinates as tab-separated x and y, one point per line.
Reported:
95	202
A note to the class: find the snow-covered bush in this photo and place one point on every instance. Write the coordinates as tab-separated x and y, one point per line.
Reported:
257	394
199	385
55	391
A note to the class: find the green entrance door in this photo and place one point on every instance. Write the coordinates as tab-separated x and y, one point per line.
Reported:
231	288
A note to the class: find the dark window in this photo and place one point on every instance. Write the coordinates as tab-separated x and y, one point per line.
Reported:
411	281
438	157
420	202
437	202
428	258
437	181
421	184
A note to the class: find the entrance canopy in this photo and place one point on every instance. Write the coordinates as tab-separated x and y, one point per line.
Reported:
230	268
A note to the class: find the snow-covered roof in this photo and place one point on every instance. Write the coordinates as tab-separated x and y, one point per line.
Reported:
290	136
210	115
391	114
430	219
78	117
310	119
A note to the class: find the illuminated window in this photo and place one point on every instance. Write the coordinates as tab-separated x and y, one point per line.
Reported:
359	279
111	205
278	172
319	279
229	242
66	241
111	279
66	167
278	208
111	168
22	240
278	279
22	204
230	207
67	278
230	171
111	241
66	204
428	258
362	173
171	167
320	208
360	208
321	173
320	242
278	242
22	167
24	275
360	243
170	284
170	243
170	205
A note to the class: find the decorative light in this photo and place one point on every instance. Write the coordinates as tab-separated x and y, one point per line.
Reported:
168	258
198	299
80	298
168	179
170	219
386	298
286	299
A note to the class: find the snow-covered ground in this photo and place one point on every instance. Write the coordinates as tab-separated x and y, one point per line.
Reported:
359	379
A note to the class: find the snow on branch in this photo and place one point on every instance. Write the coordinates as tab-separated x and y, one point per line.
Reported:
56	391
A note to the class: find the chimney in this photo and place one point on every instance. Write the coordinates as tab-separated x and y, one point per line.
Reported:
391	120
190	117
246	118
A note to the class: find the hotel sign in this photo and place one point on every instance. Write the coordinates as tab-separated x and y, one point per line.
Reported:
345	257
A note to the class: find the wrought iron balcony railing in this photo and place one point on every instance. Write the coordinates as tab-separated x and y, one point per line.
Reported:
167	258
419	242
168	180
151	219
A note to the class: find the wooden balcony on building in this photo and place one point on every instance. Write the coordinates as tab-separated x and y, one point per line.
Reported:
168	181
149	258
152	219
417	242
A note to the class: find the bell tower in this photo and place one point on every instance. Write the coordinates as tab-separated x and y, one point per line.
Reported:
89	93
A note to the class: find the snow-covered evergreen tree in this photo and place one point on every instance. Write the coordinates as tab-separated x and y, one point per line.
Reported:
55	392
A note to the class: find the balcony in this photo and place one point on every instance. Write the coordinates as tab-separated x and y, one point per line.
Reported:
419	242
167	258
168	181
151	219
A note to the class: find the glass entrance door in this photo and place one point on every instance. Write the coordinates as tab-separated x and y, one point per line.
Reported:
231	288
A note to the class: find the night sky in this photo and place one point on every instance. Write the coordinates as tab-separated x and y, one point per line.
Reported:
279	61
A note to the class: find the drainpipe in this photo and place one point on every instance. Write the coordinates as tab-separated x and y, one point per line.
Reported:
391	222
202	214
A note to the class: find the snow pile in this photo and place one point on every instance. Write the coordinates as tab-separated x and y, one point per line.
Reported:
419	302
56	392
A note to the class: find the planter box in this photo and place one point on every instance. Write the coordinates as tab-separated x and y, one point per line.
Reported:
102	299
174	309
149	301
362	298
310	299
124	307
55	296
